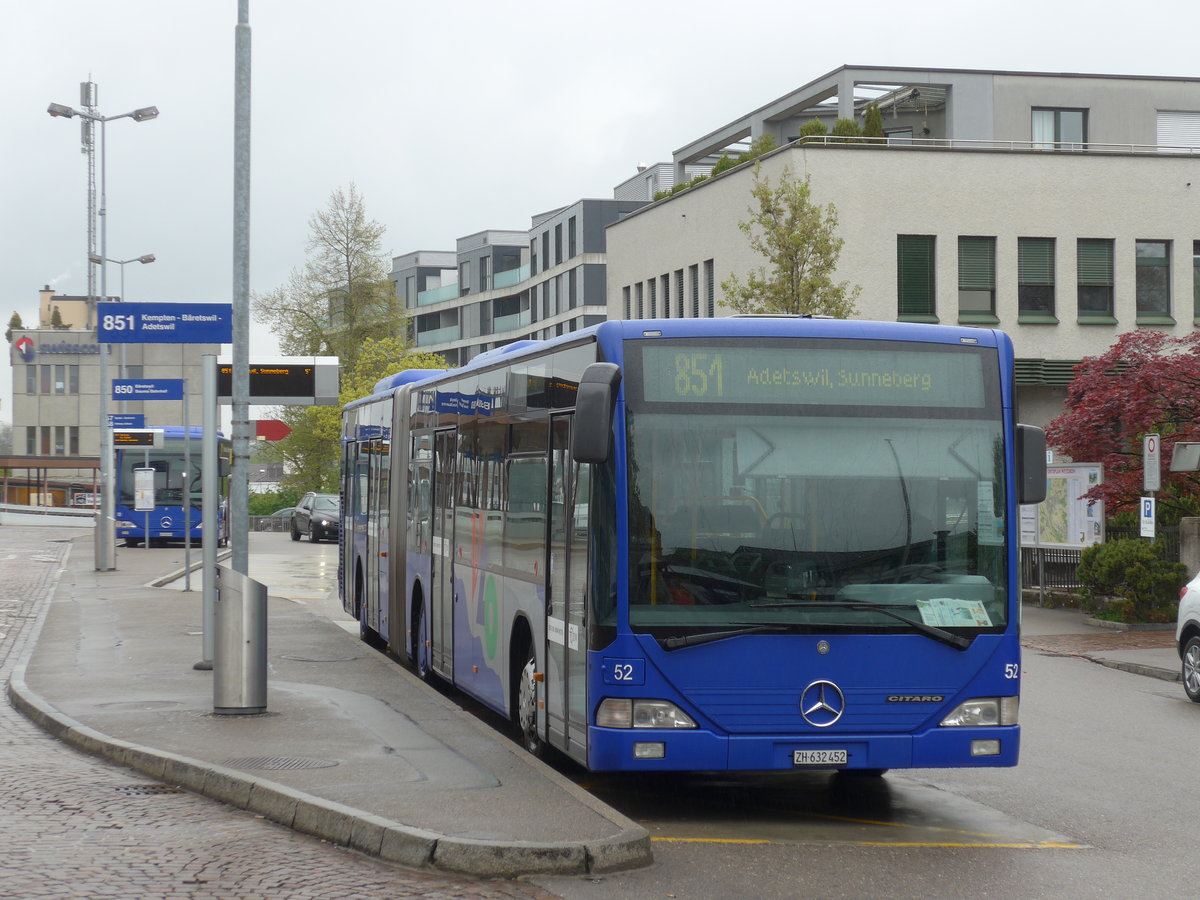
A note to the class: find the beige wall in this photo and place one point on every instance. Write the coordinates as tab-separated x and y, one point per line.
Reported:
881	193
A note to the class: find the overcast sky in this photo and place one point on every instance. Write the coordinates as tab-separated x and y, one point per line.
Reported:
450	117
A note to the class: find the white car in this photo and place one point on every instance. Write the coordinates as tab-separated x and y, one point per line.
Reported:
1187	637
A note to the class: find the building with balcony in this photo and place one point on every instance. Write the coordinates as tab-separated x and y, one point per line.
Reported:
1060	208
502	286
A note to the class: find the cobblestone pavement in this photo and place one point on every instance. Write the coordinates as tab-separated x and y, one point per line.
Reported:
1098	642
76	827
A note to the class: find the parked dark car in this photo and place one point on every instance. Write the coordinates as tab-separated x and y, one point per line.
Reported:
318	516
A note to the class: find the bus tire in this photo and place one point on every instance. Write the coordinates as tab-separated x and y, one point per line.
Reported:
525	708
418	654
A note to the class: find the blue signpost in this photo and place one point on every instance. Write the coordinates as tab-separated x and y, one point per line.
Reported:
164	323
147	389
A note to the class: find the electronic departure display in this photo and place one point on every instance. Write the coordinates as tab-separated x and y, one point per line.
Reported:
889	374
137	437
271	380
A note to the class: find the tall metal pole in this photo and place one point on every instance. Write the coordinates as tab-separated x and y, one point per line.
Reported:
106	554
209	486
240	477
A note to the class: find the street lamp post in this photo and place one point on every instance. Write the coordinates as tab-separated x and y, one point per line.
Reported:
144	260
106	556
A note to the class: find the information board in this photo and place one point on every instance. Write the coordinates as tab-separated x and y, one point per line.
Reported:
164	323
1066	518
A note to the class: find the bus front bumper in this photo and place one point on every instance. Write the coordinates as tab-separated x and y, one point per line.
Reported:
649	750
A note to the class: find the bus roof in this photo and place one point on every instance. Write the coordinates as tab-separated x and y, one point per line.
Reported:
613	332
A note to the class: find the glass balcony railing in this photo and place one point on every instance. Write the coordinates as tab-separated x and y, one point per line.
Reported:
500	324
437	336
437	295
511	277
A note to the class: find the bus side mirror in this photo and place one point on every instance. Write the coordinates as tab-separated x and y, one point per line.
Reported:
591	435
1031	464
222	467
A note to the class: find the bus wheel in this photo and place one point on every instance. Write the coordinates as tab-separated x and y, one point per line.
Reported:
526	710
419	654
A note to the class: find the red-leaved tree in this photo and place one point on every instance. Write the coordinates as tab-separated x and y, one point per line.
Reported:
1147	382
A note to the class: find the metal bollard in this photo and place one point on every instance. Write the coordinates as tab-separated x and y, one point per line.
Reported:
240	648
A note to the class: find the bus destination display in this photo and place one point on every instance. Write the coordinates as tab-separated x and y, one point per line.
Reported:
674	373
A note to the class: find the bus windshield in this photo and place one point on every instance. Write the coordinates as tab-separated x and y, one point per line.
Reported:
855	487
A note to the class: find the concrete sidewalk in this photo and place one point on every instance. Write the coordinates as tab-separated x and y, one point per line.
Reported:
1147	650
352	748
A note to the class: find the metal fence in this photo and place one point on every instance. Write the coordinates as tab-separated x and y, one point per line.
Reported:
1058	567
270	523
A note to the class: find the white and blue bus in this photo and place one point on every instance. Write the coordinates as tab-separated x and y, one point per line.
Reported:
748	543
173	482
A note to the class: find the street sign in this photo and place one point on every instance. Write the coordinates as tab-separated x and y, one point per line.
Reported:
137	437
164	323
1147	517
1151	462
147	389
126	420
285	380
143	489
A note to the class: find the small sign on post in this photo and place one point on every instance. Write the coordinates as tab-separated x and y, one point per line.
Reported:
1148	517
1151	462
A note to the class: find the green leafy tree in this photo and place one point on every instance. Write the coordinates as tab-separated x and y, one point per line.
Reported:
848	129
799	239
872	121
813	128
14	324
56	320
310	452
343	294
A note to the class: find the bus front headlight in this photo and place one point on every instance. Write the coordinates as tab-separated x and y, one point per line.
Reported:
620	712
983	711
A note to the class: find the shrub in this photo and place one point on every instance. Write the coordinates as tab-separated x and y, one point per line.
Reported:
813	127
1135	572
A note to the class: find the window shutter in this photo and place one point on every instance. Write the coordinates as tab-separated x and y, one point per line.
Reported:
1095	262
976	263
914	266
1035	260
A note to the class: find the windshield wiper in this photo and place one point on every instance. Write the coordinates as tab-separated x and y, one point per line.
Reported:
690	640
931	631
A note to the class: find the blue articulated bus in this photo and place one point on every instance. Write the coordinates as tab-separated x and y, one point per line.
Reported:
172	482
748	543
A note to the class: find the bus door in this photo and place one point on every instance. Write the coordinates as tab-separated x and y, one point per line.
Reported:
566	573
353	526
441	600
377	532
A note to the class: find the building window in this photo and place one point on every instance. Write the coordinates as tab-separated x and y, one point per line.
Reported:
1196	280
558	243
1094	275
31	379
679	293
694	278
47	371
73	436
1059	129
639	299
573	287
710	291
60	379
665	282
533	269
571	251
46	432
464	279
546	264
60	440
625	291
31	440
1153	280
652	290
485	273
915	277
1035	278
977	277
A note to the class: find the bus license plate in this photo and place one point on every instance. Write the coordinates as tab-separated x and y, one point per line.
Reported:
819	757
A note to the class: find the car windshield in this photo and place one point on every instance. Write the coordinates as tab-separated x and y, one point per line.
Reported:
326	504
854	517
